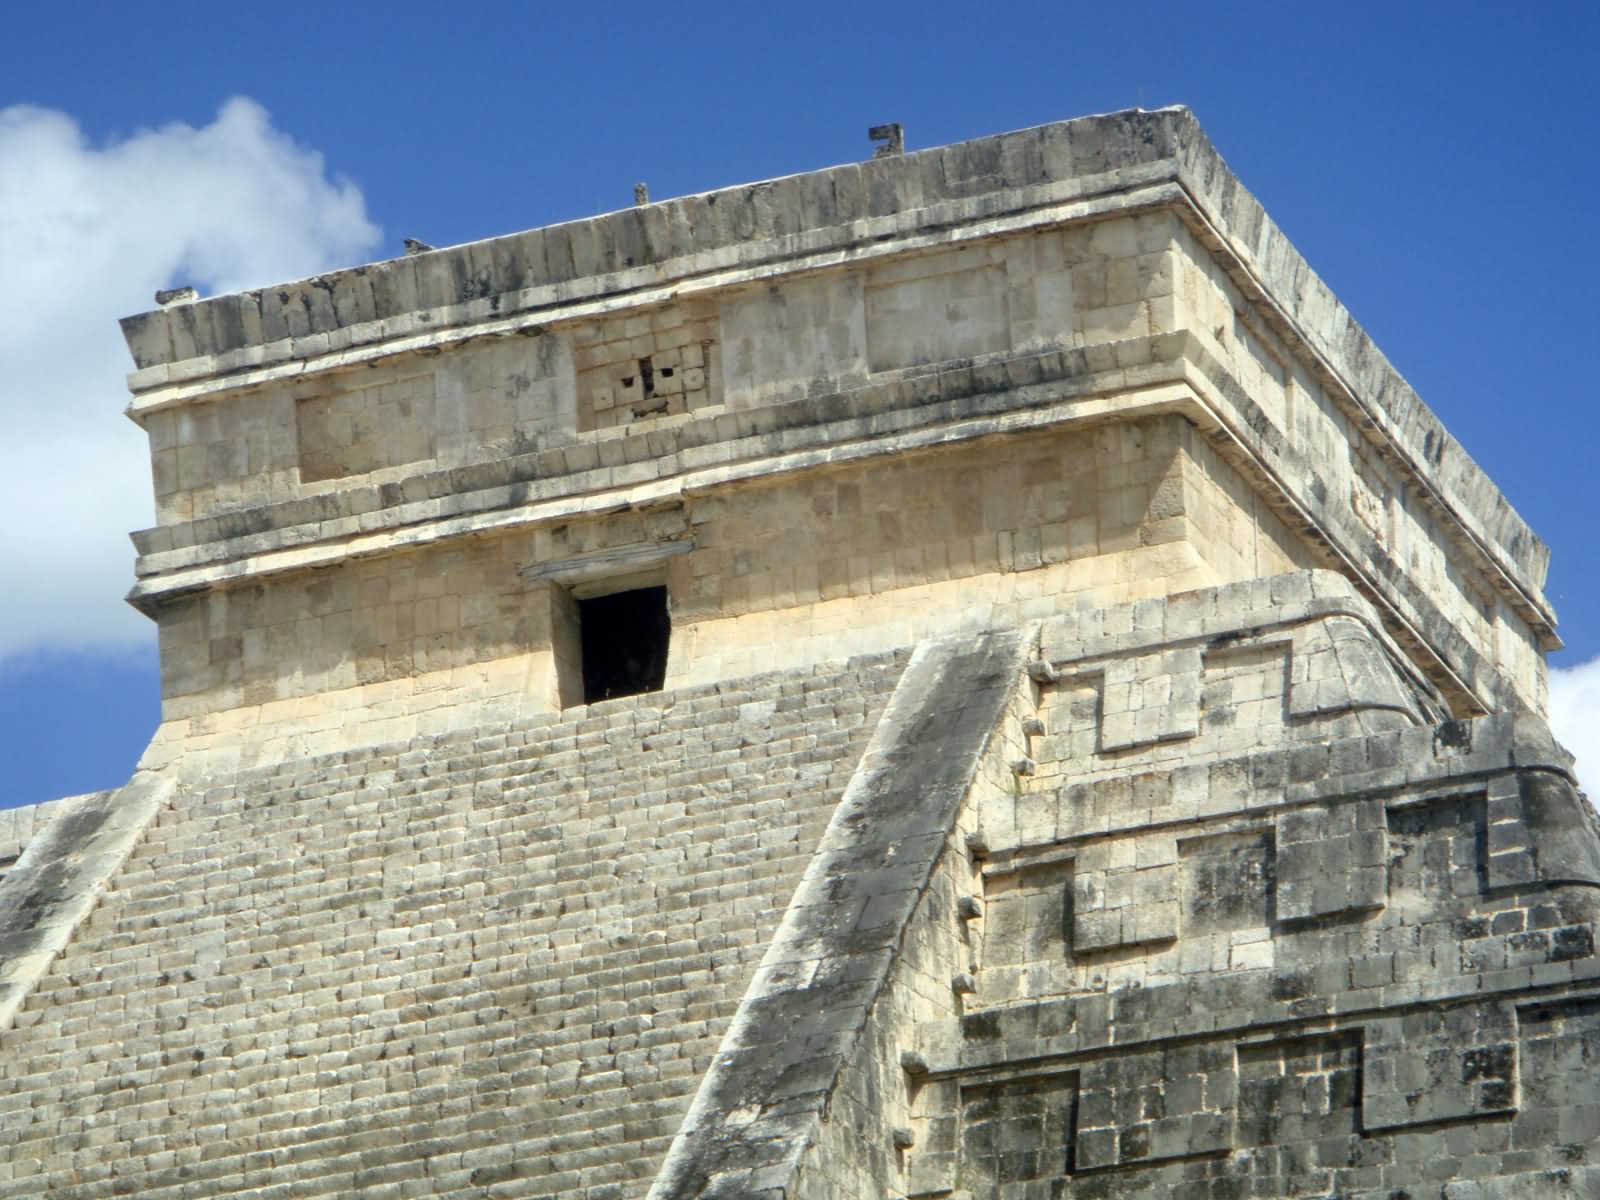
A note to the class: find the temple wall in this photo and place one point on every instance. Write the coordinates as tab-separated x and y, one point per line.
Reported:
744	406
373	426
800	570
1397	531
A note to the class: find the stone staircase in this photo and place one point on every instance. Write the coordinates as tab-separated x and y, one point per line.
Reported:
491	963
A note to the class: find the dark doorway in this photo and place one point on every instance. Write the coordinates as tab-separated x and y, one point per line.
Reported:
624	643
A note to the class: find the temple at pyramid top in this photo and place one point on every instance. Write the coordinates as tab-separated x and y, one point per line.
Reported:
826	413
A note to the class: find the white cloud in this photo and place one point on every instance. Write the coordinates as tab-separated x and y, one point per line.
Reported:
87	234
1575	718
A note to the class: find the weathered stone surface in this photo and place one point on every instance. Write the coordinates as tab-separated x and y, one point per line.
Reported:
1351	991
1122	281
806	1014
434	965
1099	756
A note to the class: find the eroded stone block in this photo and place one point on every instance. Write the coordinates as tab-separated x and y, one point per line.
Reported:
1019	1131
1151	698
1439	1064
1124	895
1165	1104
1331	858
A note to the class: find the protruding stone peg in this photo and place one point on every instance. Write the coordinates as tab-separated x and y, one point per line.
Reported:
890	139
1042	672
913	1063
977	843
969	908
1022	766
902	1137
1032	726
963	984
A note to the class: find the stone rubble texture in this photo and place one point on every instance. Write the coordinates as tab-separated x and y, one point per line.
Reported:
1101	752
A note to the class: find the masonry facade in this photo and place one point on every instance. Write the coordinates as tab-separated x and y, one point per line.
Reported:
964	675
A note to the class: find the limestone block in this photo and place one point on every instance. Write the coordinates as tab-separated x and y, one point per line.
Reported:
1338	665
1027	915
1439	1064
965	290
1227	883
1295	1092
1126	894
1155	1105
782	344
655	364
1331	858
1540	828
931	1169
1150	698
1552	1183
1018	1132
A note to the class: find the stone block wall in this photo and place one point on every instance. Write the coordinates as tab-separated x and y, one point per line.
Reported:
366	429
738	388
822	333
663	362
1316	963
1384	521
358	447
1096	236
381	424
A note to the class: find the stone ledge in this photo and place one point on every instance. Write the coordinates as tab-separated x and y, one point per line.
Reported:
1063	1031
59	878
1233	610
1389	766
743	225
758	1108
162	387
1554	1183
994	385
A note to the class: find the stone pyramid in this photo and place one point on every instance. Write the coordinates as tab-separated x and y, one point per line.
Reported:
960	675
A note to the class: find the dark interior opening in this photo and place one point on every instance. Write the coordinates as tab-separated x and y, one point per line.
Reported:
624	643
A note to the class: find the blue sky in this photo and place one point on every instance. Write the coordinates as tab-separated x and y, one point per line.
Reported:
1435	163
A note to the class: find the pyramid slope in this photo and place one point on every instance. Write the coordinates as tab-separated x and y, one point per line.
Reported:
495	960
1348	952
